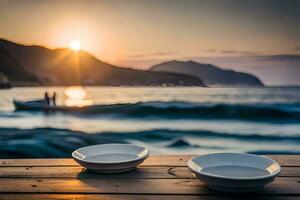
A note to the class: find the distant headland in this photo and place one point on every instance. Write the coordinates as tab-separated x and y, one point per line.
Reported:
22	65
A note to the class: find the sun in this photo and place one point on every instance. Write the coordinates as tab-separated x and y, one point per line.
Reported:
75	45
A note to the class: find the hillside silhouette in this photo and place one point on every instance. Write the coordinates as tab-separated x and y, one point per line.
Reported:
210	75
66	67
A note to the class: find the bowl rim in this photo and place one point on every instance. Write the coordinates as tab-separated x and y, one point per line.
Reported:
191	164
145	154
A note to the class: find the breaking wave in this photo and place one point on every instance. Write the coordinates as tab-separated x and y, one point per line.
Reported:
185	110
53	142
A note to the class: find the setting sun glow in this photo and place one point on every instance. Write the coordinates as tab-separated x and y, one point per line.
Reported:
76	96
75	45
75	92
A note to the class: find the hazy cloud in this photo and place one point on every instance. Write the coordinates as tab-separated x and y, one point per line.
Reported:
151	55
274	58
232	52
239	52
280	57
211	50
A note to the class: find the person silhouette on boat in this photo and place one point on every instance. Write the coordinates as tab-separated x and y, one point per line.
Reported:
50	101
54	99
46	98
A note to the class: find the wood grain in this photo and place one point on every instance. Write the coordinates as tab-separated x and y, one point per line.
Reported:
139	197
282	186
159	177
139	173
167	160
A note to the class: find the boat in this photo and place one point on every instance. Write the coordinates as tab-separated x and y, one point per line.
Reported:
38	105
42	105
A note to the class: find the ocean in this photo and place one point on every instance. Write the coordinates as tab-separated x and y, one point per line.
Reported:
168	120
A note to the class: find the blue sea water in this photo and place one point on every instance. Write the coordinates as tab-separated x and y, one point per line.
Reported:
166	120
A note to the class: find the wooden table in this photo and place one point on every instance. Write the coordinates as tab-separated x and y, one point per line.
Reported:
159	177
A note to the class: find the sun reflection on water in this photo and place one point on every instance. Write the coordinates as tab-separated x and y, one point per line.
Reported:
76	96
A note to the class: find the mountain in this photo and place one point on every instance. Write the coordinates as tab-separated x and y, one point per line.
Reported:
4	82
66	67
210	75
12	72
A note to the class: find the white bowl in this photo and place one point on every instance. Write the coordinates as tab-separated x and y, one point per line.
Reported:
234	172
110	158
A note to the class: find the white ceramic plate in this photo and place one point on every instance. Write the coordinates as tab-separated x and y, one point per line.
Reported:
234	172
110	158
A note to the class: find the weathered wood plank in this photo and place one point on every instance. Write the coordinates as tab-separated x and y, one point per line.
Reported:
74	172
138	197
139	173
170	160
287	160
282	186
166	160
37	162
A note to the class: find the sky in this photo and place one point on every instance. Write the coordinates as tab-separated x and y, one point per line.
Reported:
256	36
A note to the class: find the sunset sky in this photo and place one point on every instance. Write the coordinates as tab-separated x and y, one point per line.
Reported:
248	35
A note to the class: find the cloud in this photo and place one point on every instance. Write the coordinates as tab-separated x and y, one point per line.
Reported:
232	52
272	57
151	55
137	55
211	50
239	52
280	57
